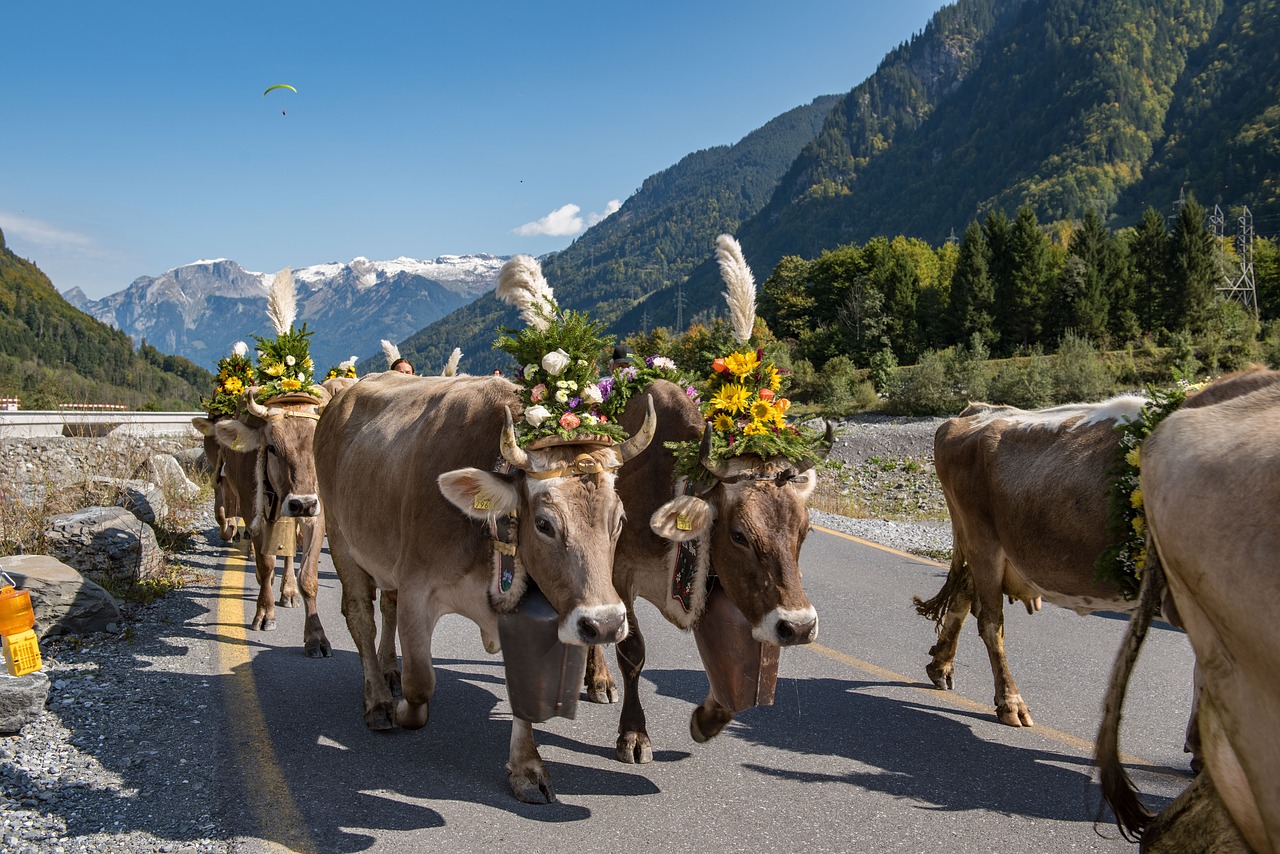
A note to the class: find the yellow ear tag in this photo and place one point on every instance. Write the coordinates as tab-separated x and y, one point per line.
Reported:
683	522
482	502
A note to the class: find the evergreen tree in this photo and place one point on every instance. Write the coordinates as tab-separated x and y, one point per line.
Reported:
1148	245
1192	271
1093	261
1021	288
972	292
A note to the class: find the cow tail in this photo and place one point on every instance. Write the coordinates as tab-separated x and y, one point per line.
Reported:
1132	817
957	582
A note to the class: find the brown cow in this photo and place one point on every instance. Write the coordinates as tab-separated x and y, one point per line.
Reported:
1028	494
268	464
1211	480
750	519
226	502
407	480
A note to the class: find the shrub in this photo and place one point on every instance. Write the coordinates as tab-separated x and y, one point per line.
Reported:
1079	372
1025	382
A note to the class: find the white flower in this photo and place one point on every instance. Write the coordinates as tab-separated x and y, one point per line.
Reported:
555	362
589	419
290	361
535	415
302	377
529	370
664	363
591	394
562	396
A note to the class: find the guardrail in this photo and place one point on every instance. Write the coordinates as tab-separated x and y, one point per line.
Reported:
29	424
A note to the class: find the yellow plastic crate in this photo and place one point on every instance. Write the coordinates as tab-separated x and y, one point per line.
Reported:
22	653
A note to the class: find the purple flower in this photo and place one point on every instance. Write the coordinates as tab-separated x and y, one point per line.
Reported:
648	361
691	392
629	372
606	387
574	402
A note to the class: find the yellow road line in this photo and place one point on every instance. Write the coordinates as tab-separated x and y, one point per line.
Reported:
950	697
266	790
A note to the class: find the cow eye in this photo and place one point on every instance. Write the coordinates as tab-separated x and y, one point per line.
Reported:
544	527
738	537
271	449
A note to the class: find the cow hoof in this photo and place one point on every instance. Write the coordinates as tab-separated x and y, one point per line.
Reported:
318	649
532	785
379	719
293	601
607	693
634	748
393	684
1014	713
942	677
705	725
263	625
412	715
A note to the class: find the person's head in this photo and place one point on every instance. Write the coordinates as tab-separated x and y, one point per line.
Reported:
402	365
622	357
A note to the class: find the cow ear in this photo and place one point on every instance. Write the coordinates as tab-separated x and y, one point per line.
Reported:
203	425
479	494
236	436
806	488
684	517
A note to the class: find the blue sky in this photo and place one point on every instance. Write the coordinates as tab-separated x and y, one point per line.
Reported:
137	137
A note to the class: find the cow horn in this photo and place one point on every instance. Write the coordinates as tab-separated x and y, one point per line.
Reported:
720	470
639	441
511	452
820	453
251	404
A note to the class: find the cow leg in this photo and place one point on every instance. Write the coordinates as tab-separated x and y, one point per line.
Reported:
708	719
289	585
526	774
387	642
357	607
634	746
990	613
314	642
598	680
948	609
418	675
264	616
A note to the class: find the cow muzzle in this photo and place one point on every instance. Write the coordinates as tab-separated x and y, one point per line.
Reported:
302	504
586	626
787	627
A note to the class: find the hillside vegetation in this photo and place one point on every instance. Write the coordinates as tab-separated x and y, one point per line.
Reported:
52	353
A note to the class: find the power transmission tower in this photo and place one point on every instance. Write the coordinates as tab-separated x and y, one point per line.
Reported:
679	308
1242	286
951	238
1218	222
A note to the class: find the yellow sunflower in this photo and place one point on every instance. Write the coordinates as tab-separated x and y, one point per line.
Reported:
774	377
755	428
762	411
741	364
290	385
724	423
732	398
232	385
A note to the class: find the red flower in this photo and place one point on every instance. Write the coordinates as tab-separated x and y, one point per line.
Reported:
719	366
569	421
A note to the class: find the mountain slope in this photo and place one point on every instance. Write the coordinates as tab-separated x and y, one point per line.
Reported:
658	236
50	352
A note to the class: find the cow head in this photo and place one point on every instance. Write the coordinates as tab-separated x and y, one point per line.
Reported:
568	518
282	435
753	519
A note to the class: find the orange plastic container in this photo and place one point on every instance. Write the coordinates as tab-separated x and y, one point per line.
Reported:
16	614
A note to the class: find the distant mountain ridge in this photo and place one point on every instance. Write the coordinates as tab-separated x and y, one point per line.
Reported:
199	310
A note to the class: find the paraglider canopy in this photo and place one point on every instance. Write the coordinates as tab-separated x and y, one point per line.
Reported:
279	86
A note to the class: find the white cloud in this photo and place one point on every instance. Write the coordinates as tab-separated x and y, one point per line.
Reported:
42	233
565	221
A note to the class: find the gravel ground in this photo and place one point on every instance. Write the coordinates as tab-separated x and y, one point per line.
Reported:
123	757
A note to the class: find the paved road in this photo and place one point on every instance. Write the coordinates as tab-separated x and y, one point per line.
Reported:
857	754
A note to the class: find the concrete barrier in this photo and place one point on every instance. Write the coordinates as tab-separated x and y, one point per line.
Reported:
37	423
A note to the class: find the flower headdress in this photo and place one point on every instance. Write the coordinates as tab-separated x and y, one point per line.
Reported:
235	374
344	370
284	364
558	350
744	396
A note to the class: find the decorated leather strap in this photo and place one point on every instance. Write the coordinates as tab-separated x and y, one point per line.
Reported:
684	570
502	533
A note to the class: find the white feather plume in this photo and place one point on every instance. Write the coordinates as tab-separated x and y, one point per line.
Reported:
521	283
741	294
349	363
282	302
391	351
240	349
451	367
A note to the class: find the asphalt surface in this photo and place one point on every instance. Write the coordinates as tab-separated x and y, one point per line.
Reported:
858	753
